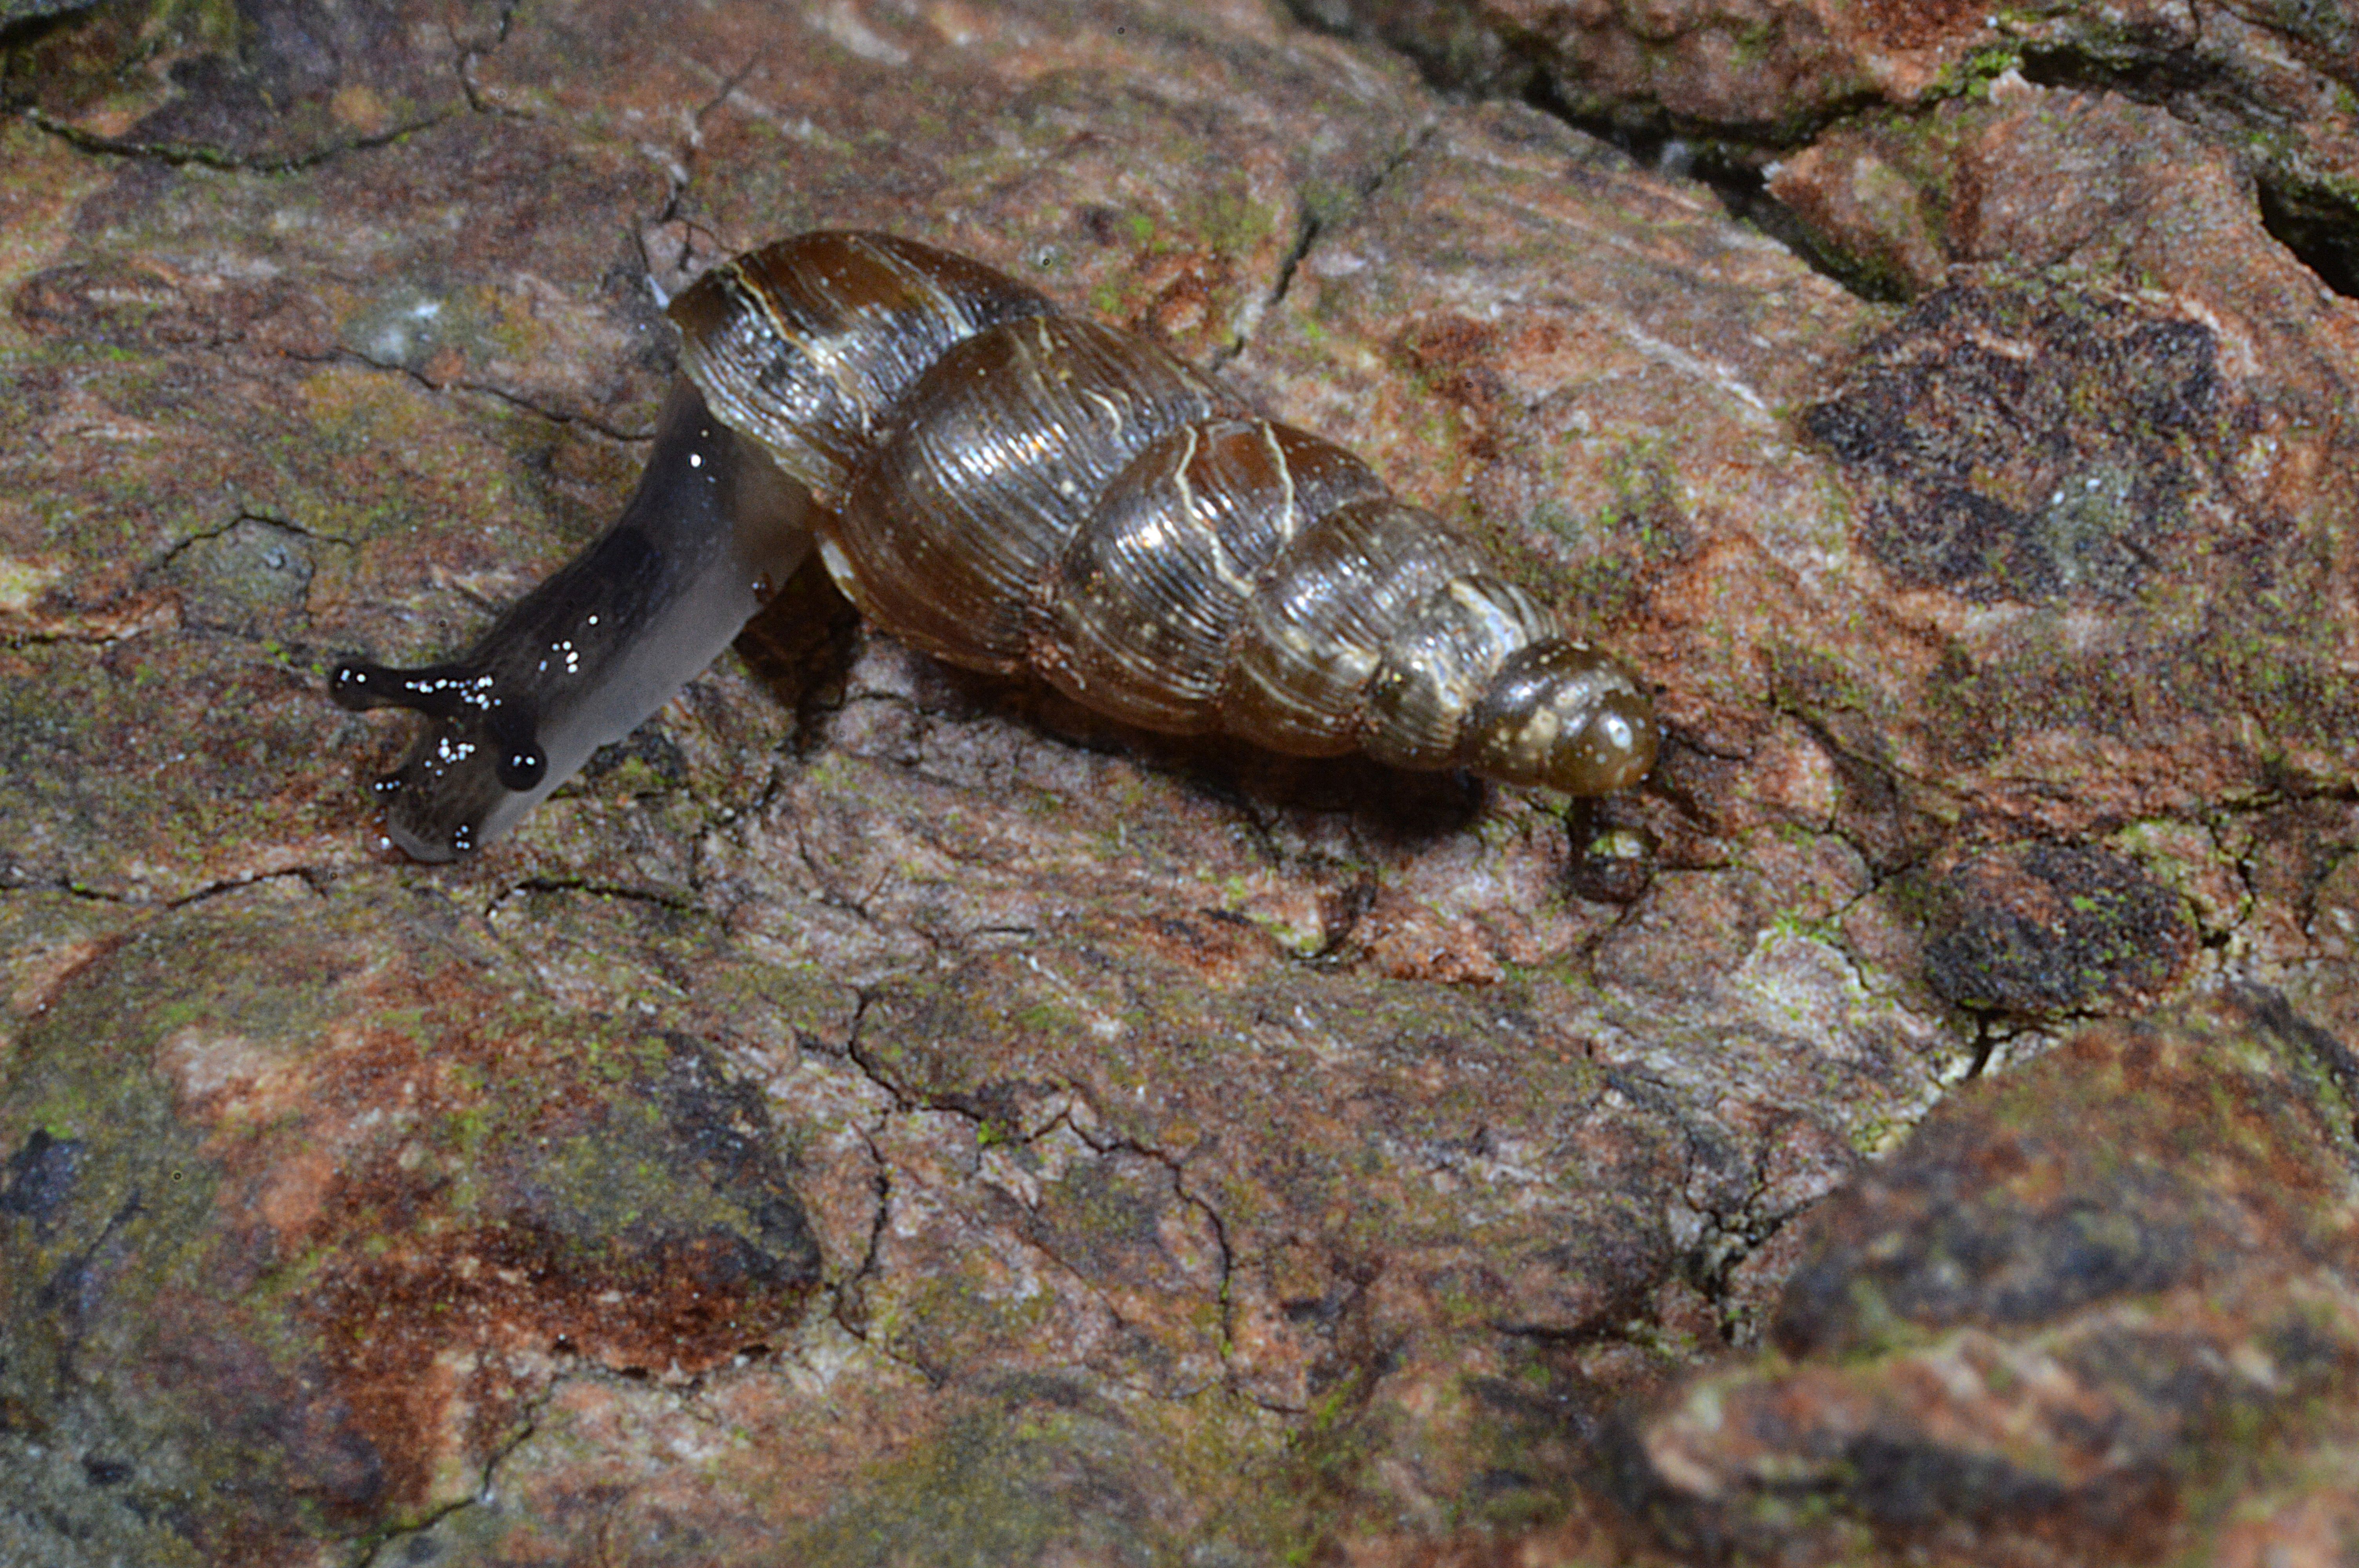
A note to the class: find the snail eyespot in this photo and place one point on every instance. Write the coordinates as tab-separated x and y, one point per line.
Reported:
520	770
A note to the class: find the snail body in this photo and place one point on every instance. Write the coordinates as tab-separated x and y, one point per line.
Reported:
603	642
1011	489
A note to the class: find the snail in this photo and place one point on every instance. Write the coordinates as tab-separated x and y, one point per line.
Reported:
1007	489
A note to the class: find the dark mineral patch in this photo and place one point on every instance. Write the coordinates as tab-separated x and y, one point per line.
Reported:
104	1472
2039	927
40	1177
725	1133
1956	1243
2030	443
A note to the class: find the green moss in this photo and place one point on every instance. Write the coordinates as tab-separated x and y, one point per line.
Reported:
1874	1135
1047	1019
1971	75
1047	1470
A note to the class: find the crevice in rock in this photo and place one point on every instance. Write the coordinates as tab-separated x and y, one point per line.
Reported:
840	1292
1313	226
1997	1029
1176	1169
11	880
26	31
290	525
482	389
371	1548
2318	223
2320	231
682	171
906	1103
179	546
855	1051
1356	898
675	902
827	892
1709	1266
465	55
1985	1043
724	92
1733	169
2157	76
185	155
1306	235
476	103
14	880
303	874
882	1186
2240	861
1226	1296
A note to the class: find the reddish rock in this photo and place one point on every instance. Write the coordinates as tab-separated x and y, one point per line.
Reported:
324	1212
879	1113
1735	68
2050	1326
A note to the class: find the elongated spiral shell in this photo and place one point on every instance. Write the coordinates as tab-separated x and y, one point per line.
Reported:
1008	488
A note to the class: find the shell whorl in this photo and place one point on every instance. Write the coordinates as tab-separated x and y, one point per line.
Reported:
1006	488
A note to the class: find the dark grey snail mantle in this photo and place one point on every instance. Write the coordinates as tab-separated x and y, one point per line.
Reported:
876	1114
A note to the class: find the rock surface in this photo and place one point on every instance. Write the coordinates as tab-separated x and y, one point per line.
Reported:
882	1116
2081	1287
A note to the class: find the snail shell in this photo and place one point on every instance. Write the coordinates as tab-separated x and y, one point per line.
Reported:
1011	489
